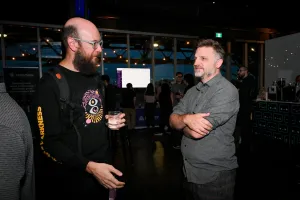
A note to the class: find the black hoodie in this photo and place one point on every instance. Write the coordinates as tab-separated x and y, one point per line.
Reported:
58	138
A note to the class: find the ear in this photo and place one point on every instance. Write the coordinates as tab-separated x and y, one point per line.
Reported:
73	44
219	63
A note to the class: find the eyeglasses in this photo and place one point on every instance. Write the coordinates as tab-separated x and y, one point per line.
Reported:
95	44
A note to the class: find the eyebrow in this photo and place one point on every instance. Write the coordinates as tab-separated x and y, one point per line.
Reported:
200	56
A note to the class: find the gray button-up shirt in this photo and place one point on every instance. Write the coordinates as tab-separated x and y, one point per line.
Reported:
205	158
17	180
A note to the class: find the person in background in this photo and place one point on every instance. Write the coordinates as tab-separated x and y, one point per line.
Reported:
207	116
150	106
189	81
247	87
17	175
110	93
128	104
74	142
158	89
177	90
165	105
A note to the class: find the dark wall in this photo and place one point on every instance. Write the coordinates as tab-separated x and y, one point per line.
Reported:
201	19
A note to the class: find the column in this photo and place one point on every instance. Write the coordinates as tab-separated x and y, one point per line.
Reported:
262	66
2	47
153	60
78	8
39	49
175	56
228	61
245	54
128	50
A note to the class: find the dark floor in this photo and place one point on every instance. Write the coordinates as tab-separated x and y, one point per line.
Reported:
156	172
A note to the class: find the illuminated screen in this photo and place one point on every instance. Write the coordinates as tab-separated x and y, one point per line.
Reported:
138	77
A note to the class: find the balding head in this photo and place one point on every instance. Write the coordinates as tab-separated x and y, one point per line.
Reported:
81	24
76	21
80	28
83	45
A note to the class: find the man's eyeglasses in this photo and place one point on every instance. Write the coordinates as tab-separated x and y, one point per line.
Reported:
95	44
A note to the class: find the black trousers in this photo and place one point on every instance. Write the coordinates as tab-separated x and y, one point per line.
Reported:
150	114
244	123
220	189
61	186
164	119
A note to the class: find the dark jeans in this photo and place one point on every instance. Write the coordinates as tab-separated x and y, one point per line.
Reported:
220	189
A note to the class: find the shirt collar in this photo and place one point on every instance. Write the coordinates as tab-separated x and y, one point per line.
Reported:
211	82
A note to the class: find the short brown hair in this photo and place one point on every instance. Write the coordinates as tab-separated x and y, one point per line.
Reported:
214	44
243	66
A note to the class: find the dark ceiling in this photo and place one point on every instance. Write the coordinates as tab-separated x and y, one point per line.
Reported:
183	17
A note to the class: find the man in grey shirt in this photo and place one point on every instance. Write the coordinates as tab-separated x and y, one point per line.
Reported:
16	151
207	115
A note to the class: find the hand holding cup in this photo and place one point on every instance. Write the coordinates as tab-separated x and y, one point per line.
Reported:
115	119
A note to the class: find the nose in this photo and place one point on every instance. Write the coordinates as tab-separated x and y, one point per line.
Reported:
197	63
99	48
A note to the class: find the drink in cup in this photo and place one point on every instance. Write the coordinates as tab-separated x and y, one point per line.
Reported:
113	119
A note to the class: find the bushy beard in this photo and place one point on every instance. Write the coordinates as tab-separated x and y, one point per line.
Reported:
84	64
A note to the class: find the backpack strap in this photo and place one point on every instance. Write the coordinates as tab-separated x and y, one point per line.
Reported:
64	90
64	99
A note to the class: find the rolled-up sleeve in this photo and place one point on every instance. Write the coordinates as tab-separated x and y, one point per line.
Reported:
223	106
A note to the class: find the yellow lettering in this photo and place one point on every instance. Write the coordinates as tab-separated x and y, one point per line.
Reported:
41	126
40	117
